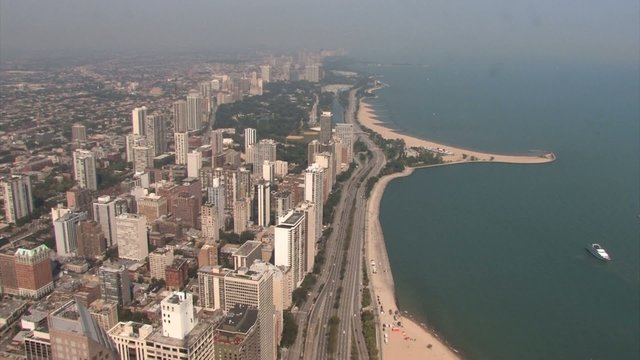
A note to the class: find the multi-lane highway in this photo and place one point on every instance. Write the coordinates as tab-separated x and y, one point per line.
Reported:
313	317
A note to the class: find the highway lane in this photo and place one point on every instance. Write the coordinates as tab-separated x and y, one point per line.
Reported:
313	317
325	285
350	304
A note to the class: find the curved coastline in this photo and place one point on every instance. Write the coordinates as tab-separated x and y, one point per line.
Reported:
450	154
414	340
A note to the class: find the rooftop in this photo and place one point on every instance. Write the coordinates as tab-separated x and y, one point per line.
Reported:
247	248
240	319
189	340
291	220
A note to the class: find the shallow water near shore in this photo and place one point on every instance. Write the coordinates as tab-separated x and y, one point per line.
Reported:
493	256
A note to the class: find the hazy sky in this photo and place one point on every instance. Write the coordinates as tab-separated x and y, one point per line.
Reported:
398	30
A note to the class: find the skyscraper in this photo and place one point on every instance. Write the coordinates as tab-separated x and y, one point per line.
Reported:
216	195
249	137
283	204
344	133
76	335
137	120
78	133
84	169
210	227
194	163
264	150
265	73
289	245
131	236
26	271
182	147
132	141
326	161
241	210
195	110
159	259
65	228
115	284
312	227
18	199
180	116
314	147
216	142
185	209
254	287
90	238
262	207
105	212
237	336
142	158
156	133
314	192
325	127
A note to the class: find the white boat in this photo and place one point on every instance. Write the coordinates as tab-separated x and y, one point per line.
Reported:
597	251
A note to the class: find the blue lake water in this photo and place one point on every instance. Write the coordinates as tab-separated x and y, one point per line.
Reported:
493	256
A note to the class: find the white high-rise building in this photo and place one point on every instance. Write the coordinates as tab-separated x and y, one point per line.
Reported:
65	231
182	147
263	202
18	199
84	169
156	133
326	161
178	318
194	163
159	259
268	171
137	120
131	236
289	244
180	116
216	195
314	192
105	212
249	137
312	228
195	111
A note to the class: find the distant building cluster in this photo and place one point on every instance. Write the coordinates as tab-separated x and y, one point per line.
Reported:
194	248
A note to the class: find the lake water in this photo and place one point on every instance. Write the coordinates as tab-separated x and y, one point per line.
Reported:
493	256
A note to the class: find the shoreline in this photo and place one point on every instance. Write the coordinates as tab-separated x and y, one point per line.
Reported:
414	339
367	118
423	342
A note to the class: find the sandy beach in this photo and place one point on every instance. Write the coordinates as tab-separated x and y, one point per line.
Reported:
409	341
367	118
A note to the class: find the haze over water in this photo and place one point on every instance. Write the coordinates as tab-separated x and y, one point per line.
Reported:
493	256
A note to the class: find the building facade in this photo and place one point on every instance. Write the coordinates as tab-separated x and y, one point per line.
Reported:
18	199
